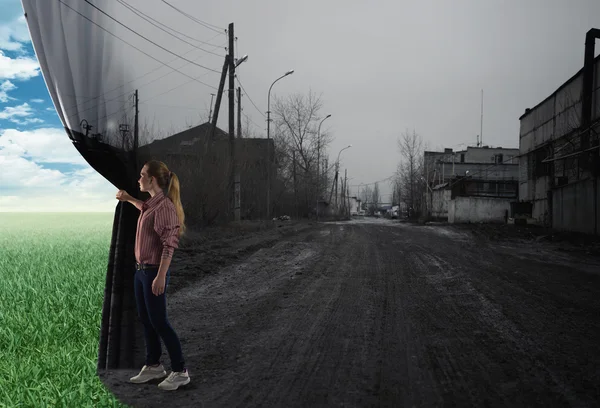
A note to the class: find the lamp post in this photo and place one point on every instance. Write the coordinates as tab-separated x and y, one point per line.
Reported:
318	161
268	144
337	170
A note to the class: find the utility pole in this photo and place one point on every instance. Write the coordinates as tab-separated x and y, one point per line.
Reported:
318	158
337	168
346	207
212	95
333	186
136	131
232	164
215	118
239	125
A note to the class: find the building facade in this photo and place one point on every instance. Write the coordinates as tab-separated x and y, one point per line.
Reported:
559	156
486	163
202	164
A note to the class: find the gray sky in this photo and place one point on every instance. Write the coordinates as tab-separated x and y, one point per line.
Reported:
386	66
381	67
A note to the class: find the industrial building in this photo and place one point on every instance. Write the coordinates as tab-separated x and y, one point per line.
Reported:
558	143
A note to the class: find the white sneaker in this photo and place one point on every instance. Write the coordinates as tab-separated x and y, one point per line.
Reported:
149	373
175	380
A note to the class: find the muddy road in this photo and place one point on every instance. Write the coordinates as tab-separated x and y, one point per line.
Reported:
378	313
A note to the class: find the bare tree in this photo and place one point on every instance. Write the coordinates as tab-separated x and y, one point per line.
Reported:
296	120
375	198
410	170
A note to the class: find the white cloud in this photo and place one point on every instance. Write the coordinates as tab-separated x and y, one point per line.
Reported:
51	109
19	114
5	87
14	34
10	112
21	68
41	145
36	100
33	188
27	121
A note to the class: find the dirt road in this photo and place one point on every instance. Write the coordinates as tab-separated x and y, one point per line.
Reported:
378	313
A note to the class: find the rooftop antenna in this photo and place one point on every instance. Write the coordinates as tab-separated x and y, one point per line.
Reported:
481	126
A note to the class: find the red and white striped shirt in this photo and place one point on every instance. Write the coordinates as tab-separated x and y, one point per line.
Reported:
157	233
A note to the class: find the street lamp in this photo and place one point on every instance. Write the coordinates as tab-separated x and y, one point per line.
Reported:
239	61
318	160
268	144
338	158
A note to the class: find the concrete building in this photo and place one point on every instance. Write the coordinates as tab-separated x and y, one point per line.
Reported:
486	163
202	166
558	144
485	172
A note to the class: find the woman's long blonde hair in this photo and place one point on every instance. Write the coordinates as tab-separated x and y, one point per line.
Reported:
171	185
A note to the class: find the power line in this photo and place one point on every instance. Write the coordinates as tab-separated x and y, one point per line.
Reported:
147	83
141	76
250	99
168	66
147	39
368	184
202	23
170	106
146	17
112	114
160	94
178	86
251	121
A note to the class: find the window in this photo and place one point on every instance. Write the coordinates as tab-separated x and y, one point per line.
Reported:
541	169
462	157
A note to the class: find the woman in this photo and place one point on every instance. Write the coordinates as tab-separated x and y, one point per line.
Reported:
159	227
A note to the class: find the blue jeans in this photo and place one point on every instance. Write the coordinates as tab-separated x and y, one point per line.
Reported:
152	310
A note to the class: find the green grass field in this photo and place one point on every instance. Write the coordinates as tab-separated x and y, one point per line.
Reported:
53	267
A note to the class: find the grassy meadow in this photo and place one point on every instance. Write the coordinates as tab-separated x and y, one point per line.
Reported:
52	272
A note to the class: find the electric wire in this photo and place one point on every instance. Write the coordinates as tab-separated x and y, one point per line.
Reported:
250	99
375	182
139	77
147	83
145	38
142	15
202	23
251	121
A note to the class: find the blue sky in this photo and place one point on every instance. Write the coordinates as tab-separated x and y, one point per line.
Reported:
41	169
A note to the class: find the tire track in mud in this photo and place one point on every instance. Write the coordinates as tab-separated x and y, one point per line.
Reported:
381	314
516	359
317	361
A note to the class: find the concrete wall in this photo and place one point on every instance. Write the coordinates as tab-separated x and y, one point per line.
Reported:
477	160
573	207
440	199
477	209
484	154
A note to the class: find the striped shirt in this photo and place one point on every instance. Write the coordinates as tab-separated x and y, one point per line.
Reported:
157	233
